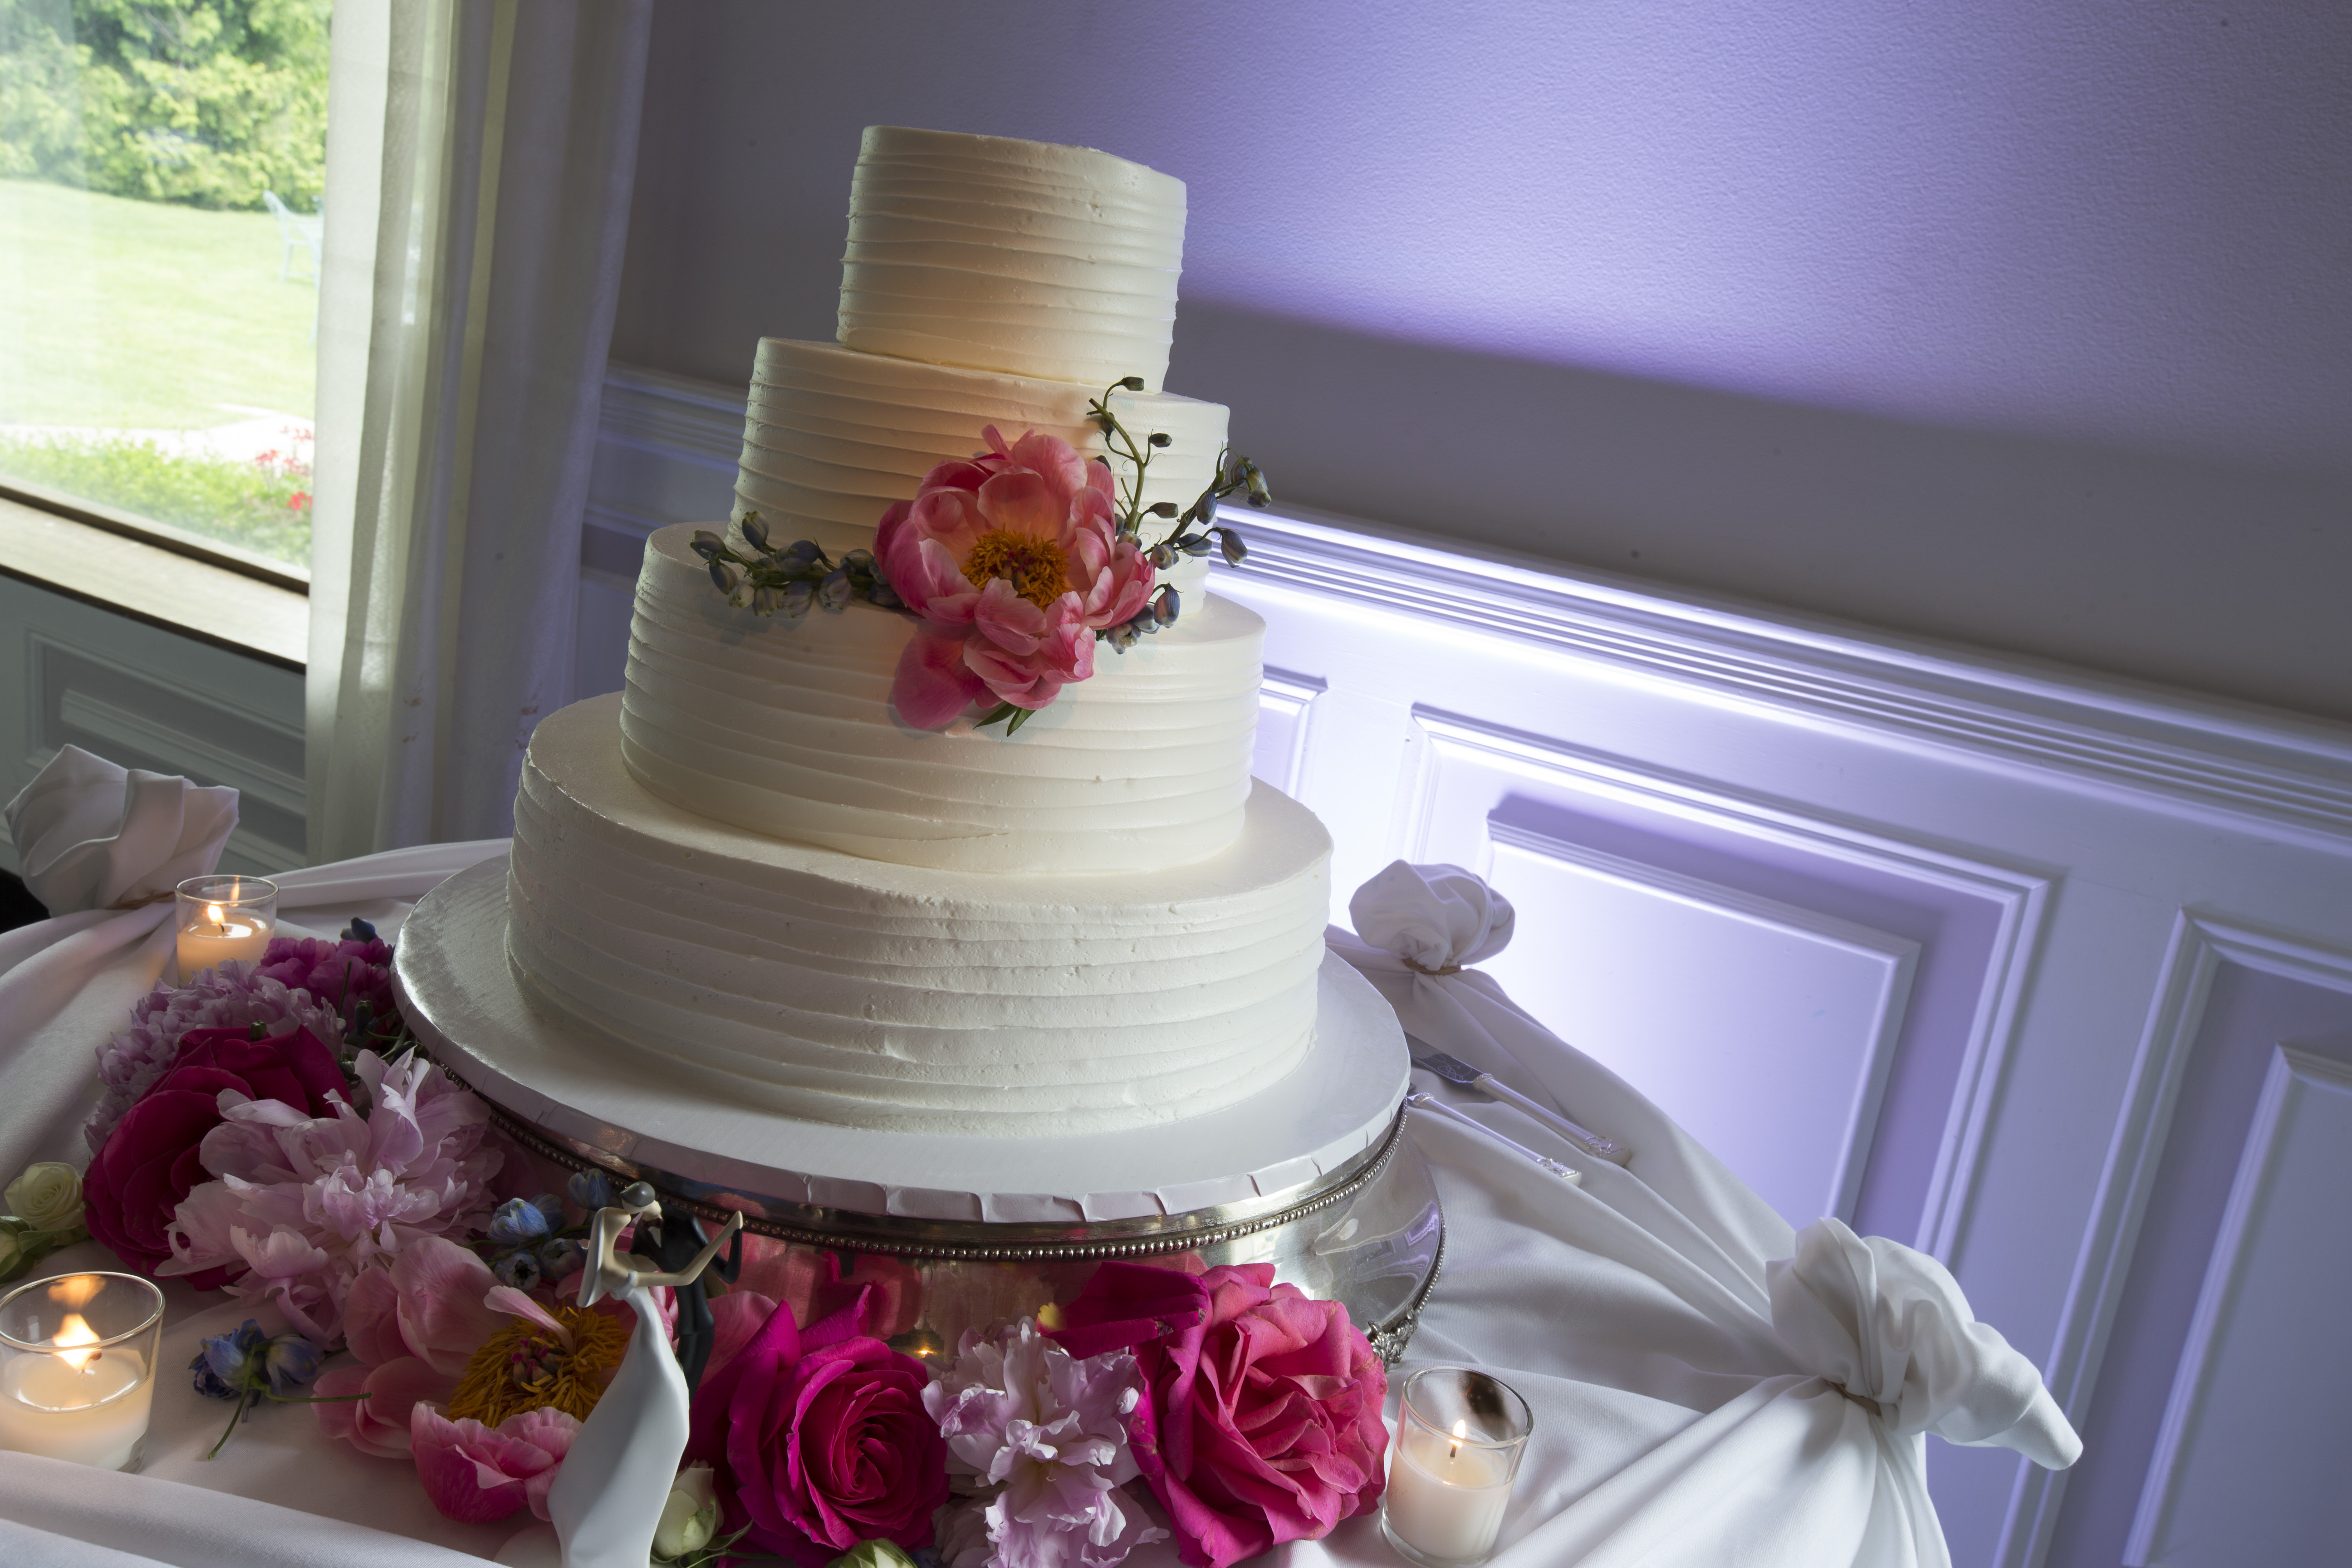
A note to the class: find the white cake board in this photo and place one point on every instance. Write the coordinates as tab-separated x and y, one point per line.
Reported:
476	1016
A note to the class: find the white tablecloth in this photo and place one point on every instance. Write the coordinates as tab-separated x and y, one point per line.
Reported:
1681	1412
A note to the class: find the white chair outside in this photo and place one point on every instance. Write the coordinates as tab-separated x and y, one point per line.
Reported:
298	229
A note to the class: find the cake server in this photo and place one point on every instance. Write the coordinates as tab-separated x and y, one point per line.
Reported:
1453	1069
1433	1106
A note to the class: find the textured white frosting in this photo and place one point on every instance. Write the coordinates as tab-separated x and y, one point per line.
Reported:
843	990
785	728
1049	261
832	437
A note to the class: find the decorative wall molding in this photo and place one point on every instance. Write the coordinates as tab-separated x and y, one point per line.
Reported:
2293	1076
2201	943
2019	896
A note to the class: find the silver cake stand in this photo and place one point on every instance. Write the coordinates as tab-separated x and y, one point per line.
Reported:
1314	1175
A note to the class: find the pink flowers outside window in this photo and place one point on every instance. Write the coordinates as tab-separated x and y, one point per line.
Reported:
1014	561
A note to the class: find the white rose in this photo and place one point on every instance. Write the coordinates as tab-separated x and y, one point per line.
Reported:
48	1196
690	1516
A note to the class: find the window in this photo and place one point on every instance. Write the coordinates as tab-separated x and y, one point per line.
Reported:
161	168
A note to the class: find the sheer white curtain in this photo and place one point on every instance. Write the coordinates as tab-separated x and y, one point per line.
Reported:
479	160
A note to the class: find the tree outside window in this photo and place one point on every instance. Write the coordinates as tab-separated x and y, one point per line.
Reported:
162	169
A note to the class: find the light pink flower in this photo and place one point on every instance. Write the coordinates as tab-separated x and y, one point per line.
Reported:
307	1203
1014	561
413	1327
1047	1434
479	1474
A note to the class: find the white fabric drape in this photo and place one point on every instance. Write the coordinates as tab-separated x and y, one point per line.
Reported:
93	835
480	155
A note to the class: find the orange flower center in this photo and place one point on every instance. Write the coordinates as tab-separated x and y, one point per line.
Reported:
1034	567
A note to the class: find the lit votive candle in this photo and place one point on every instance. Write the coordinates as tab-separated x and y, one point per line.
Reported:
1460	1436
78	1368
222	917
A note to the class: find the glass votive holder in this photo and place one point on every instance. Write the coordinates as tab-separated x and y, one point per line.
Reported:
78	1367
1460	1436
222	917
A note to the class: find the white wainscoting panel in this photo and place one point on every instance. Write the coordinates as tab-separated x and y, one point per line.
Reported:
1768	1026
2237	1476
1932	897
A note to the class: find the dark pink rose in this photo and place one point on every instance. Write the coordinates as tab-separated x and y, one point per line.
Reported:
820	1439
340	974
153	1158
1014	561
1263	1405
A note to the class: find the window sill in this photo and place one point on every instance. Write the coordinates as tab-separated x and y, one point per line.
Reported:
152	583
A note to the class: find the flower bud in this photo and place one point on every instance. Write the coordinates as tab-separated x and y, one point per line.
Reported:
884	595
724	575
834	592
1230	545
1193	544
1161	557
1204	510
1260	493
858	561
1166	607
798	597
707	544
1161	438
804	553
765	600
1162	509
1132	382
689	1515
592	1190
755	532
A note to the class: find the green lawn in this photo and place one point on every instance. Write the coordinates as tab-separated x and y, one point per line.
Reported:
121	314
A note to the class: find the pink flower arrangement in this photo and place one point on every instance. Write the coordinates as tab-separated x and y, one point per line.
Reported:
305	1202
411	1327
152	1159
234	996
347	974
1012	560
1263	1404
479	1474
820	1439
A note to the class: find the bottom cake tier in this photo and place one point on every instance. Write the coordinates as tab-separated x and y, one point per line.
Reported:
866	995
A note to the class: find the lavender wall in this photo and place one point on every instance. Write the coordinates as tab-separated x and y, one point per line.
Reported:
2022	323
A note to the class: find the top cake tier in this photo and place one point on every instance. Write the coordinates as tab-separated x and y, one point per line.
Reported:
1021	257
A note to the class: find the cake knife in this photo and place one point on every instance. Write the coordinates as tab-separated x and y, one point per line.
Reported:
1436	1106
1452	1070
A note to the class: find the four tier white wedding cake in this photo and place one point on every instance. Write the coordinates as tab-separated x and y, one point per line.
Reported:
749	867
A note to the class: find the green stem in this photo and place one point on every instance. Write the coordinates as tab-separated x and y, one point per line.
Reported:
243	1400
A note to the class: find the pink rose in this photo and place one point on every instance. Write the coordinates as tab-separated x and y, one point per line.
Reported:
820	1439
1265	1406
151	1160
476	1474
1014	561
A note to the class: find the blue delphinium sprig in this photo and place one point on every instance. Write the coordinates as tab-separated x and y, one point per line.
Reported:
790	580
247	1365
527	1242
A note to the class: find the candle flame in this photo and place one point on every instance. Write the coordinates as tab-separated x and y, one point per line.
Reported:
76	1331
212	913
1461	1430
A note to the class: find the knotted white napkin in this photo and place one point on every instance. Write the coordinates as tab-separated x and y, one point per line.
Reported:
90	834
1890	1327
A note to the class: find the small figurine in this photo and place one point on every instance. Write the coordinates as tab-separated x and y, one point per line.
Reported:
608	1499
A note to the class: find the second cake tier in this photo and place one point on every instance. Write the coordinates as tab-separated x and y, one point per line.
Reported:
785	727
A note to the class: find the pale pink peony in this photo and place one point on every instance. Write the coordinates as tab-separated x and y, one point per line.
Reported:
308	1204
412	1327
479	1474
1045	1435
1014	561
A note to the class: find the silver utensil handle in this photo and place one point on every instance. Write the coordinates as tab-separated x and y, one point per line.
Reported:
1423	1102
1592	1143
